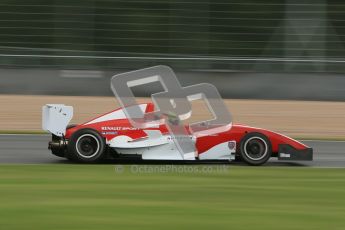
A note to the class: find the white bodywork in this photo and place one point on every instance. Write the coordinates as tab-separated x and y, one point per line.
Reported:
55	118
162	147
221	151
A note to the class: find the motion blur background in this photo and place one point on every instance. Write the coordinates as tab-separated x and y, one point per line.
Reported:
268	49
280	63
270	58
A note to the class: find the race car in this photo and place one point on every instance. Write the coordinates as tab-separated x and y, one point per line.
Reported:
112	135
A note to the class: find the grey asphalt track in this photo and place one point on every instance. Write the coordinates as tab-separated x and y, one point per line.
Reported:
32	149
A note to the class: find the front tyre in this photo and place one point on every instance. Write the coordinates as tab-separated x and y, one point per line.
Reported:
86	146
255	149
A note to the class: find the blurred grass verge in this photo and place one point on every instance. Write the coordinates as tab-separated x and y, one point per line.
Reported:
101	197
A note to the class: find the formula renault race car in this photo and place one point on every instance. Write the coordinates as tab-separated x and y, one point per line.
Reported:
112	136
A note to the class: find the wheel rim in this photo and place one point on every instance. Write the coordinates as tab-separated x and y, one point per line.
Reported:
87	146
255	148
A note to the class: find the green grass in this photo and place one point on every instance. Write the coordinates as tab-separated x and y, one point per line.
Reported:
98	197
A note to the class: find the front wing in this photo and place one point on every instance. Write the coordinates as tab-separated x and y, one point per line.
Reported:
287	152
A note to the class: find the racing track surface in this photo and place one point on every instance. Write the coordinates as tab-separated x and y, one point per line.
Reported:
32	149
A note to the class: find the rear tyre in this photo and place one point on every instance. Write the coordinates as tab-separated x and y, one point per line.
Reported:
255	149
86	146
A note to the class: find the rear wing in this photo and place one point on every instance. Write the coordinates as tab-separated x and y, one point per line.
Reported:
55	118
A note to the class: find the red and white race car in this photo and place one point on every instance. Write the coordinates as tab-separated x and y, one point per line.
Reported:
111	136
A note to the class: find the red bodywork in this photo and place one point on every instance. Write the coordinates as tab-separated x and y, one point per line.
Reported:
204	143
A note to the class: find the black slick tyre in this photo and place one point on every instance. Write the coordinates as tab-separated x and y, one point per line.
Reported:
86	146
255	149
